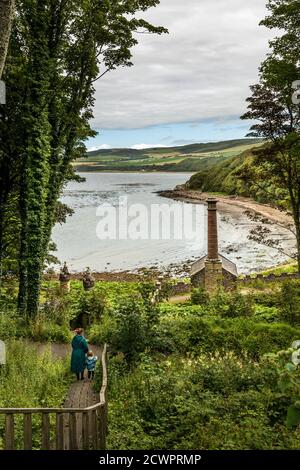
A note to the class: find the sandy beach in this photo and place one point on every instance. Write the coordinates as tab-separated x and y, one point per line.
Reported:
232	204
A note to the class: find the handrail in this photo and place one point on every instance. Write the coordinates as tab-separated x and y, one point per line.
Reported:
94	420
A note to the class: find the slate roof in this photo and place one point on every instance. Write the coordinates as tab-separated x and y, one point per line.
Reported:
227	265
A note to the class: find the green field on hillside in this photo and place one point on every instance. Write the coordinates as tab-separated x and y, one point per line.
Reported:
191	158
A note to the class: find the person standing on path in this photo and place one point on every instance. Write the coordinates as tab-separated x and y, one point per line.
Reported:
80	349
91	364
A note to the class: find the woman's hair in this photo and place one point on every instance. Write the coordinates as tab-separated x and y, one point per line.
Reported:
79	331
90	353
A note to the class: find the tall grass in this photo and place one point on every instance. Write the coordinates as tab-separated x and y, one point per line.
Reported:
30	379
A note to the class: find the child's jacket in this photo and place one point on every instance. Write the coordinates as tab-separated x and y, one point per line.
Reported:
91	362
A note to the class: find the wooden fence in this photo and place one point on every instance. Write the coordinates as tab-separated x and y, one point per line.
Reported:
73	428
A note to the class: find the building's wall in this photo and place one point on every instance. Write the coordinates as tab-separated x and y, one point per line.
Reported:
229	280
198	280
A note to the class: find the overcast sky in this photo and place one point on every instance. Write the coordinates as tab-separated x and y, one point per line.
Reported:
187	86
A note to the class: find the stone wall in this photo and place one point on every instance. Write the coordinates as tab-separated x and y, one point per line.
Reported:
269	277
180	288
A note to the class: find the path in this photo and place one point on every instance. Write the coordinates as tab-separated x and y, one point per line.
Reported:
81	393
180	299
62	350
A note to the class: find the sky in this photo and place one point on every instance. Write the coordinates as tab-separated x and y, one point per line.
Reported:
188	86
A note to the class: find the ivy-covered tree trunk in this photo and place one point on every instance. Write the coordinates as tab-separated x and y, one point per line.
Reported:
36	171
7	9
23	282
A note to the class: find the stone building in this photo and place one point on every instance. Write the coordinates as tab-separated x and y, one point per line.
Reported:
213	270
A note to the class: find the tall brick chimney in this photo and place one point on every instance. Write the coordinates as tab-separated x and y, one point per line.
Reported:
213	263
212	227
213	270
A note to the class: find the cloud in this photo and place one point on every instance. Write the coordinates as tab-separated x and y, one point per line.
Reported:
201	70
100	147
184	142
146	146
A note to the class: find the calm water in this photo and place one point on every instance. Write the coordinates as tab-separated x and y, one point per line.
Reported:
78	244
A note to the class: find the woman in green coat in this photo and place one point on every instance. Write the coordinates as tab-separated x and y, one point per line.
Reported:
78	359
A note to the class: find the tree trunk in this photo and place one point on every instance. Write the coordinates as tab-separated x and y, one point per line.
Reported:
7	9
23	281
298	245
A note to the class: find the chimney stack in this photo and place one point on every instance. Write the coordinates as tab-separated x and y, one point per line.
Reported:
212	226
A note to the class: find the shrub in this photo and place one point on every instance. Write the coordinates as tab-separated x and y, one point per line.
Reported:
196	334
232	304
103	332
290	301
268	314
130	336
199	296
41	330
92	304
56	306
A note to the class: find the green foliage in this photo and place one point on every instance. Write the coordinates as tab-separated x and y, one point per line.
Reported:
31	379
129	324
92	304
39	329
287	363
209	402
55	306
231	304
290	301
268	314
199	296
130	336
206	334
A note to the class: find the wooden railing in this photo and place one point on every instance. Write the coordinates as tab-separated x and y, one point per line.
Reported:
69	429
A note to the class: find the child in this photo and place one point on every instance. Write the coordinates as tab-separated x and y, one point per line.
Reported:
91	364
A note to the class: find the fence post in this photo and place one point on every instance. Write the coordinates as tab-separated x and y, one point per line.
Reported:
45	431
73	431
9	432
27	431
59	431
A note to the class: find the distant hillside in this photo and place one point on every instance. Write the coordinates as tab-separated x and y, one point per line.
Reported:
191	158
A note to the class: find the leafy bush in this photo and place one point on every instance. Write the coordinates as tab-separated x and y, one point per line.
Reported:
199	296
231	304
196	334
56	306
130	335
290	301
41	330
268	314
91	304
103	332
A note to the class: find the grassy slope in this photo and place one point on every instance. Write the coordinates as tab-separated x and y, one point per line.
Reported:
222	176
193	157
